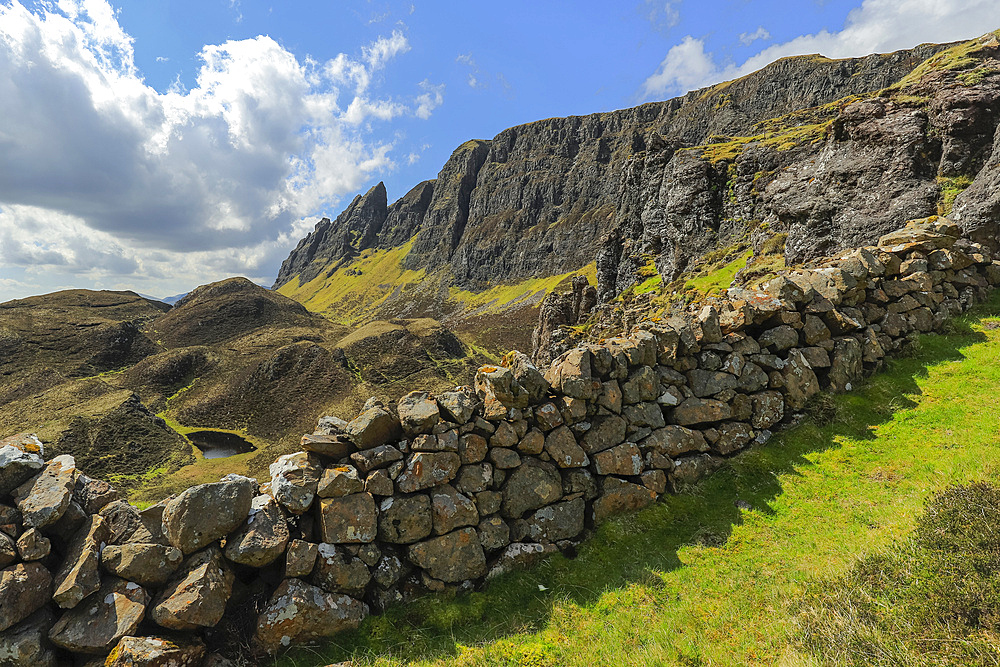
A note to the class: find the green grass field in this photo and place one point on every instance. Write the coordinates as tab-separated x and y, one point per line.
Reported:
694	580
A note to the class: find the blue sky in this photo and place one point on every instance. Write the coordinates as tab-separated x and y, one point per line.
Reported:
156	146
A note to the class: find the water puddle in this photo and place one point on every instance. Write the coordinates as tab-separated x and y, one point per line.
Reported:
219	445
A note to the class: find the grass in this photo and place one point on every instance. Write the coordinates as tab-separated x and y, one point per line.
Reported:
950	189
718	279
694	580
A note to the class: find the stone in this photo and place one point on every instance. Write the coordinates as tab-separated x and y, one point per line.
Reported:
389	570
122	521
533	443
205	513
691	469
606	432
97	624
504	436
504	459
149	565
157	652
846	366
8	550
643	384
458	406
472	448
24	589
451	509
152	524
814	330
779	338
93	494
425	470
708	318
197	597
700	411
374	427
454	557
405	520
499	391
298	612
570	374
561	445
817	357
917	235
520	556
379	483
294	478
20	460
800	381
625	460
611	396
338	571
382	456
300	558
44	498
753	378
643	415
533	485
32	545
655	481
548	416
733	436
264	536
474	478
673	441
340	480
708	383
561	521
527	375
330	446
68	524
494	533
619	496
768	409
27	643
418	413
349	519
79	575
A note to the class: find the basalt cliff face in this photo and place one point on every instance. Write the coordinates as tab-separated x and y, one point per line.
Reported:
831	153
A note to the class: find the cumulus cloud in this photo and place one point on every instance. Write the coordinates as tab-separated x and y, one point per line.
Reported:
748	38
105	176
877	26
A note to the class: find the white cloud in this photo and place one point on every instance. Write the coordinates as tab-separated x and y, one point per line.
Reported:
105	176
481	80
663	14
748	38
877	26
429	100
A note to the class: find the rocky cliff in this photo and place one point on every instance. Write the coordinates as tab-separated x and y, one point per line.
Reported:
829	152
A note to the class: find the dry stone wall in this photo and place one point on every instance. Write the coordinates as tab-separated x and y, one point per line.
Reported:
448	491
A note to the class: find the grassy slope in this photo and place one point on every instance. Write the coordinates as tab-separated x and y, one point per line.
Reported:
696	581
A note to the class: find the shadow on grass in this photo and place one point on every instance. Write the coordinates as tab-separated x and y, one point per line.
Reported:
633	548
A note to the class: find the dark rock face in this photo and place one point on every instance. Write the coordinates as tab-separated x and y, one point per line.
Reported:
551	196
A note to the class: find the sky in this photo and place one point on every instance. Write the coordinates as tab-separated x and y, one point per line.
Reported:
157	146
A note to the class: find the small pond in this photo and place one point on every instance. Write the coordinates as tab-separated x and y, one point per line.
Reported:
218	444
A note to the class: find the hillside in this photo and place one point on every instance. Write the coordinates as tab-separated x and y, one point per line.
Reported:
118	380
800	159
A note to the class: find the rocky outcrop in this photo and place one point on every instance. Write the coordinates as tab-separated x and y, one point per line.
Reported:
830	152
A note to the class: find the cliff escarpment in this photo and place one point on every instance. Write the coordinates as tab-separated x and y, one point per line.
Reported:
827	153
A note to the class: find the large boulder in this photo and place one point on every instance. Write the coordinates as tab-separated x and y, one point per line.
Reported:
571	375
534	484
156	652
418	413
150	565
207	512
403	520
348	519
262	539
24	589
197	597
44	498
20	460
294	478
625	459
96	625
454	557
338	571
79	575
27	643
298	612
800	381
457	406
708	383
846	366
374	427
